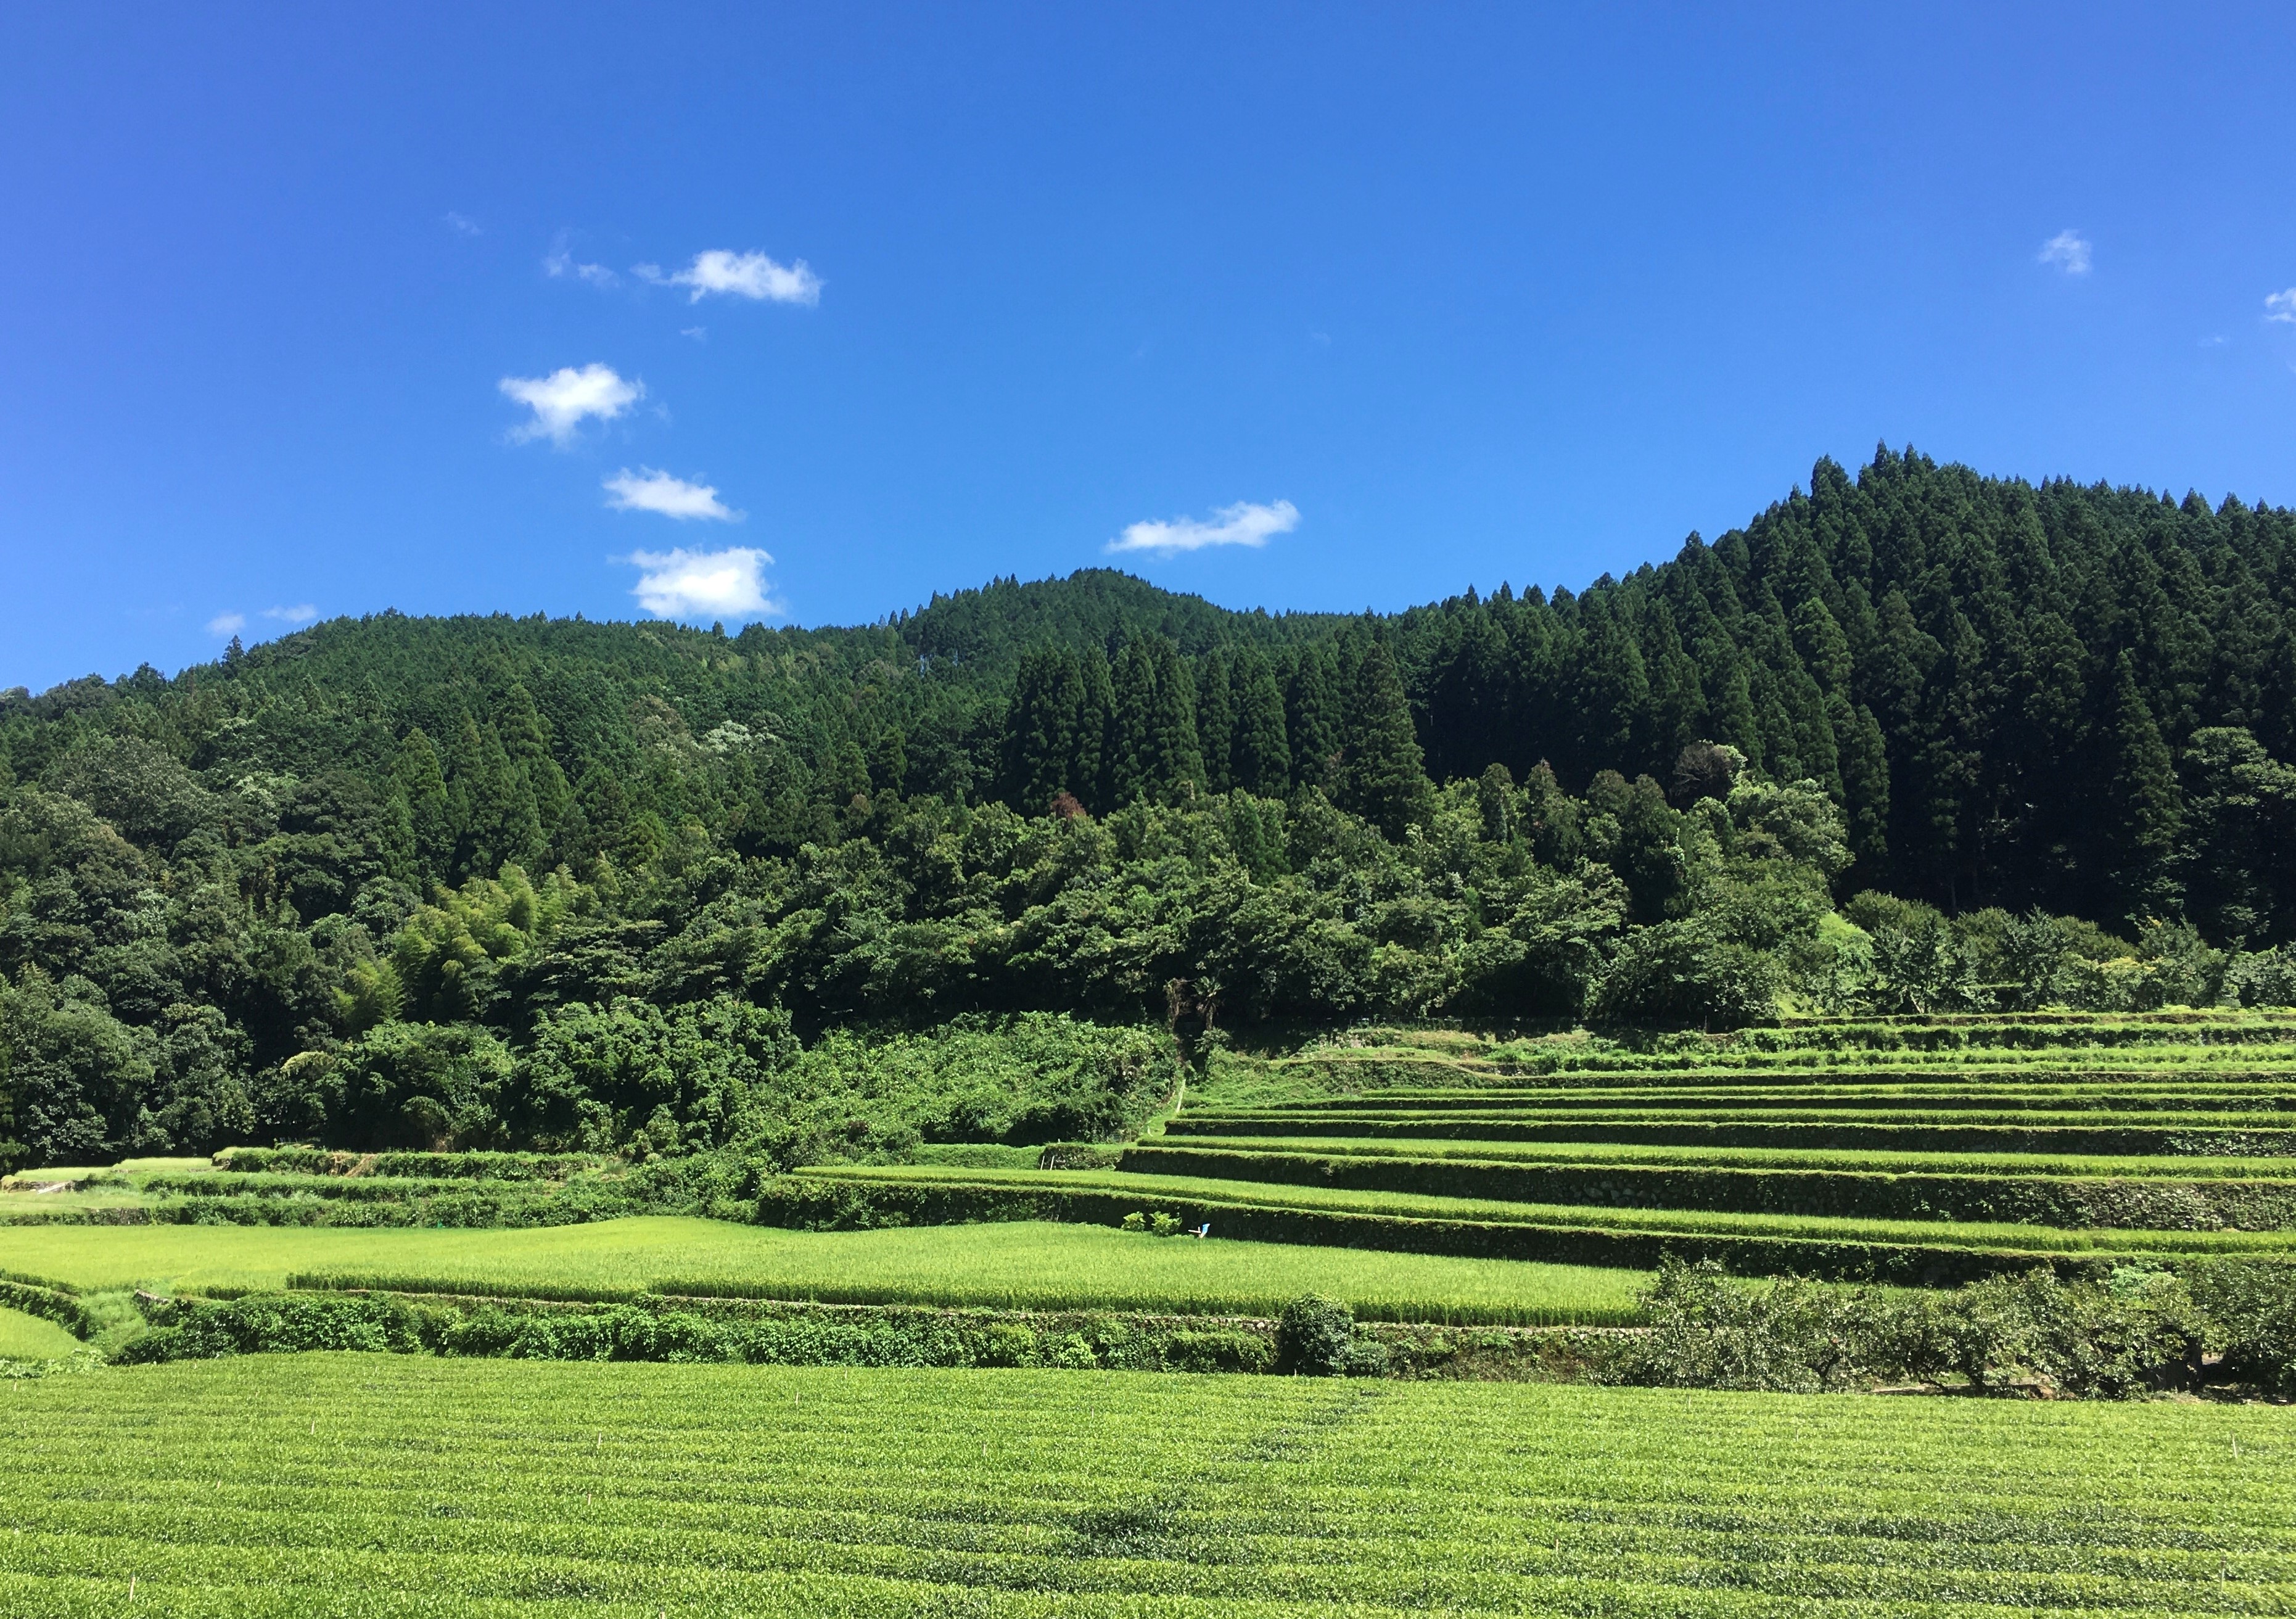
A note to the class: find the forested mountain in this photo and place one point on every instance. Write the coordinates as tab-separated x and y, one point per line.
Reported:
538	875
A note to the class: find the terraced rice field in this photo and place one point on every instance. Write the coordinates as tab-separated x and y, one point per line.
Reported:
1015	1265
384	1486
1868	1146
1152	1191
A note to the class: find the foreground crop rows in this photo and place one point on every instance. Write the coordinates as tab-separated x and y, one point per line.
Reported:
366	1486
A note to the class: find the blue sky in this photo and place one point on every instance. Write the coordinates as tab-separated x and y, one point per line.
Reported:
454	308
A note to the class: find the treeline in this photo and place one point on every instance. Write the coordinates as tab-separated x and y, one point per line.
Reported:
365	883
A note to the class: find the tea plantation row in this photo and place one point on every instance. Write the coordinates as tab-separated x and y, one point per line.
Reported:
347	1485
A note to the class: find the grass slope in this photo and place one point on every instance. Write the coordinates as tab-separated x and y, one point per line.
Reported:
344	1484
26	1337
1020	1265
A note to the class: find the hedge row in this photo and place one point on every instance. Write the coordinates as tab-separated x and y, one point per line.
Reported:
513	1209
50	1304
814	1334
2102	1202
2114	1141
445	1166
822	1203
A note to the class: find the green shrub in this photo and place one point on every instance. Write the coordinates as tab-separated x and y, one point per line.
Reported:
1314	1336
1709	1331
2141	1331
2252	1304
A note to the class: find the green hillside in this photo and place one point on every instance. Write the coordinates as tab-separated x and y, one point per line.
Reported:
1919	742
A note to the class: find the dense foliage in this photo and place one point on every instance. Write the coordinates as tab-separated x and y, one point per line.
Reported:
518	883
2133	1331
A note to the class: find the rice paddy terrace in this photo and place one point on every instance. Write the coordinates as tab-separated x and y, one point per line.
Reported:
1913	1150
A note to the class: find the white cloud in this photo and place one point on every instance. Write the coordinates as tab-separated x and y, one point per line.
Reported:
303	612
561	400
702	584
648	491
2281	307
2069	250
1244	523
226	623
739	276
461	223
558	262
700	334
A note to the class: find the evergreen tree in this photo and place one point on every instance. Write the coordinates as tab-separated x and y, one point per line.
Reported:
1216	718
888	763
421	785
2142	807
1260	756
526	742
1865	785
499	824
1648	857
1311	704
1040	724
1177	766
1495	799
1132	766
1730	698
1092	743
1384	780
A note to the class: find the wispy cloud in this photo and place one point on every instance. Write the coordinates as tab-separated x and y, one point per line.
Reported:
2068	251
461	224
566	398
738	275
700	334
302	613
648	491
226	623
2281	307
559	262
1244	523
702	584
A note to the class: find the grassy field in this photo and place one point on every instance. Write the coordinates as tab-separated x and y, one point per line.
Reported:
24	1337
1019	1265
379	1486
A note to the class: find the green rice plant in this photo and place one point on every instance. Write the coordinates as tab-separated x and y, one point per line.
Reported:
1205	1191
2067	1202
1009	1265
2174	1138
379	1485
28	1338
1749	1157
